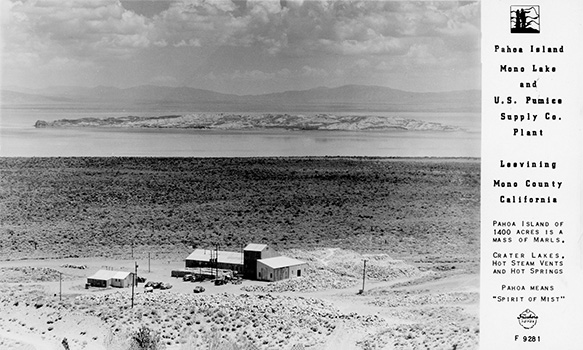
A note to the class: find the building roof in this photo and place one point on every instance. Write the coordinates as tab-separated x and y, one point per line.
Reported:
109	274
281	261
224	257
255	247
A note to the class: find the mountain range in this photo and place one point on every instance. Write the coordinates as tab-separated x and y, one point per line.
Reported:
343	98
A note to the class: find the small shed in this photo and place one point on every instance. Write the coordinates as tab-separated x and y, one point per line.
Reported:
107	278
251	254
280	268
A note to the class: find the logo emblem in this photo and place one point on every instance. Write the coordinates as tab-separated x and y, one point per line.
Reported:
527	319
524	19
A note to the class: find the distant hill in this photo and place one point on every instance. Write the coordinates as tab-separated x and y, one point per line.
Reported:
144	93
348	98
393	99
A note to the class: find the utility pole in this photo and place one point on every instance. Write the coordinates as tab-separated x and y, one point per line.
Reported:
134	282
133	279
60	286
363	275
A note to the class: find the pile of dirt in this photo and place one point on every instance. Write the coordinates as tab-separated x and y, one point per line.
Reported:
336	268
315	281
342	262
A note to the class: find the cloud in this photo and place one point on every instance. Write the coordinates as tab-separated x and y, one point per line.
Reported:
362	63
164	80
311	27
73	28
191	42
254	75
304	35
308	71
257	75
106	27
148	8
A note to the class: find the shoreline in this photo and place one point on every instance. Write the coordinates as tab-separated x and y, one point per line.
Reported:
387	158
259	121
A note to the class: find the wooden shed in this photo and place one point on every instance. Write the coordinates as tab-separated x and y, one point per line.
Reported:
280	268
107	278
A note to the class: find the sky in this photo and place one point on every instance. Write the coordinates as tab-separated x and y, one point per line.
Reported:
240	46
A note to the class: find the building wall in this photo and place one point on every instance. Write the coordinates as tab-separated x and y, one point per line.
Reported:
250	263
298	270
122	283
266	273
113	282
233	267
98	282
250	258
197	263
269	252
281	274
220	265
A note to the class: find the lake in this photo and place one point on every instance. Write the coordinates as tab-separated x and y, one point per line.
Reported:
18	137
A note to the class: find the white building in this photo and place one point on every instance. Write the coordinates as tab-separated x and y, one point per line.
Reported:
106	278
280	268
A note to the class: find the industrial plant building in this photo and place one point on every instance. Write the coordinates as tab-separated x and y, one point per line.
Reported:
219	259
257	261
253	253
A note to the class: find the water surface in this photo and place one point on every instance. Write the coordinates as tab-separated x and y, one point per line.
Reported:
18	137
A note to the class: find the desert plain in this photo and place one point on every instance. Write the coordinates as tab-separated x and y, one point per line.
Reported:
414	220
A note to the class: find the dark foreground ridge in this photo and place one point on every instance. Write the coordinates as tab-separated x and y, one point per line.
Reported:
105	206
